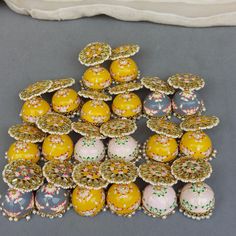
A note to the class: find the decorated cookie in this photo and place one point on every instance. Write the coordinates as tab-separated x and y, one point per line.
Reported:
89	149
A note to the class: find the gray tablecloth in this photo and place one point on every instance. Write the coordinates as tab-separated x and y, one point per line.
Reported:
32	50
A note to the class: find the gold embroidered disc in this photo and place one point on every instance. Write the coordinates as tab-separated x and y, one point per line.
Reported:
54	123
118	128
61	83
94	95
164	127
59	173
124	51
35	89
23	175
156	173
87	175
94	54
118	171
27	133
194	123
155	84
191	170
125	88
186	82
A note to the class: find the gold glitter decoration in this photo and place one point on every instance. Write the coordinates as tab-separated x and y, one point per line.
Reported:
59	173
35	89
191	170
125	88
87	175
164	127
194	123
96	95
118	171
124	51
94	54
27	133
54	123
61	83
23	175
186	82
87	129
118	128
156	173
155	84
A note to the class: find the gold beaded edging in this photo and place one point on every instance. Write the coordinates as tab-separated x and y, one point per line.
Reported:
124	51
189	170
164	127
125	88
194	123
93	94
54	123
31	175
118	128
94	54
87	175
26	132
36	89
59	173
186	82
156	173
155	84
118	171
61	84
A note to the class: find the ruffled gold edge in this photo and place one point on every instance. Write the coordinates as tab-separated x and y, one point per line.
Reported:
133	49
32	95
174	132
144	178
64	83
125	88
213	122
148	82
49	130
94	95
13	131
86	62
105	130
15	187
102	183
49	180
87	133
104	167
190	180
174	82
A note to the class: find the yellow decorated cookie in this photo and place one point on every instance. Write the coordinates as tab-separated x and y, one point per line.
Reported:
65	100
34	108
124	70
88	202
57	147
196	144
97	77
95	112
161	148
23	150
127	105
124	199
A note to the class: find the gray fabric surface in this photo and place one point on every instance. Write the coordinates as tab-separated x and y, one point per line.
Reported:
32	50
